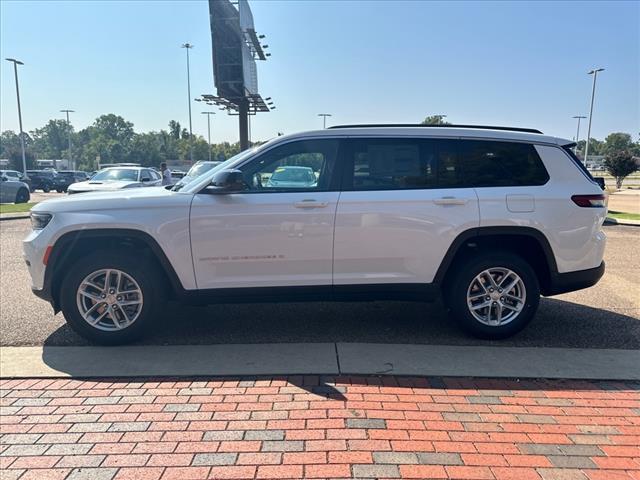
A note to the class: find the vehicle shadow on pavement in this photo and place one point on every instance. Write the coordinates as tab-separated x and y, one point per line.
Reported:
558	323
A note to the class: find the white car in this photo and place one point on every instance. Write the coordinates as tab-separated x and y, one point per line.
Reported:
490	218
117	178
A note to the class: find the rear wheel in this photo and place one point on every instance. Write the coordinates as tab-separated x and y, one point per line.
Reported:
22	196
111	298
46	188
493	296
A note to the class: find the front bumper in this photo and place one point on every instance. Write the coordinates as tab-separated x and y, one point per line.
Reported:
571	281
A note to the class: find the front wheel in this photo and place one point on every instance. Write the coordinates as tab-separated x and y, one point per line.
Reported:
494	295
46	188
111	298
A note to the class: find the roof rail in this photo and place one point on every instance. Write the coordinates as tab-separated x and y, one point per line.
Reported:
480	127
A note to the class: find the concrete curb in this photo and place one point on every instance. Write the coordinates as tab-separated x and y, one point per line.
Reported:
319	359
11	216
628	223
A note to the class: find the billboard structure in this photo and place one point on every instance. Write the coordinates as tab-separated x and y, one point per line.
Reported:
236	47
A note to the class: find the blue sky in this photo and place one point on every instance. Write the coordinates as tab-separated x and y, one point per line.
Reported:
502	63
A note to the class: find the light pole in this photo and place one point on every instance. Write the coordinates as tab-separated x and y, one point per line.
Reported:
579	117
208	114
24	156
188	47
71	166
593	72
324	119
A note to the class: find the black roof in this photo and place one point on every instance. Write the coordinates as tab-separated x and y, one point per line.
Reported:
421	125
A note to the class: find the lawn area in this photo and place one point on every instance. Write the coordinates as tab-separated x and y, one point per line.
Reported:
15	207
623	216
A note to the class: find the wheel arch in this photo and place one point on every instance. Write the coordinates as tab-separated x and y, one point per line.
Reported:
73	245
528	242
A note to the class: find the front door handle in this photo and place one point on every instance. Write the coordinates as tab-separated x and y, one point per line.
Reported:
310	203
450	201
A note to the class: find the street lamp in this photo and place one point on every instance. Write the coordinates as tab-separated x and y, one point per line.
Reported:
71	166
593	72
24	156
579	117
208	114
324	119
188	47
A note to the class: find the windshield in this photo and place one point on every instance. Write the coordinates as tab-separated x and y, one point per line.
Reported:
200	168
208	173
116	174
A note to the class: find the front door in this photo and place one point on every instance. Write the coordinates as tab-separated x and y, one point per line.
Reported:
279	232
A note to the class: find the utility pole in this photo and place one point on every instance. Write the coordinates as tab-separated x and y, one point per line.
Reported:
593	72
71	165
24	156
208	114
579	117
324	118
188	47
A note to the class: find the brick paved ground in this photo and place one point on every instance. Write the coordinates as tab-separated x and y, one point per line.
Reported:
310	427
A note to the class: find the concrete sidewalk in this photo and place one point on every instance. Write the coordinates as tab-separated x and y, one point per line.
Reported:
318	358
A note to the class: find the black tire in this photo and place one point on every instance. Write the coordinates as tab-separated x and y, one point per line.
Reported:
60	190
46	188
22	196
144	272
460	282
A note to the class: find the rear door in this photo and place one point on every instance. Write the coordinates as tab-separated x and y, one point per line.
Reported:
401	207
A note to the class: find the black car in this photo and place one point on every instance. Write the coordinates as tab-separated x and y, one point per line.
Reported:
67	177
45	180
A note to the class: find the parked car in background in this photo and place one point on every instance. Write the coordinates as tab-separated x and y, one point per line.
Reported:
197	169
45	180
117	178
16	176
292	177
69	177
13	191
486	218
177	174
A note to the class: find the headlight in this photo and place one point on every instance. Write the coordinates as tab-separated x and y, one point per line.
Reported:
40	220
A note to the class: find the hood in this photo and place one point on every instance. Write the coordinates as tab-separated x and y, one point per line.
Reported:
109	200
98	185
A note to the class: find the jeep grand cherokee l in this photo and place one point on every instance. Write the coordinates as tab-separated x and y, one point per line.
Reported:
491	218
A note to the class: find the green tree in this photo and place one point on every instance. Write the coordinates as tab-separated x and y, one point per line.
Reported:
435	120
595	147
620	164
174	129
619	142
52	140
11	149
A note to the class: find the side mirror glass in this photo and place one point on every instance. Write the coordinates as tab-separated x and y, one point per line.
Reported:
146	179
227	181
3	179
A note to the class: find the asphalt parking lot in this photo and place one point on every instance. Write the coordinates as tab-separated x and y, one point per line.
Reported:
604	316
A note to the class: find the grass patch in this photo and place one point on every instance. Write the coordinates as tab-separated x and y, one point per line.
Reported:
16	207
623	216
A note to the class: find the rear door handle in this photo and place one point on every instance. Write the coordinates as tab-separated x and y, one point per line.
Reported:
310	203
450	201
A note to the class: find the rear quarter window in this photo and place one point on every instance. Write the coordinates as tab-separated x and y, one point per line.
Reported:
501	164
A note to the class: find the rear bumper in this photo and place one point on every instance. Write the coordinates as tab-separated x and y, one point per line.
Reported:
571	281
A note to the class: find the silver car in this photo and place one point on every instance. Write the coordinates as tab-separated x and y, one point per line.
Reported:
13	191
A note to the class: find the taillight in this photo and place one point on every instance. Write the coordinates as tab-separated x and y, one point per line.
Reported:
590	201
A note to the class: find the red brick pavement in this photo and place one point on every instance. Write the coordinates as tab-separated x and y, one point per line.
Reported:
319	427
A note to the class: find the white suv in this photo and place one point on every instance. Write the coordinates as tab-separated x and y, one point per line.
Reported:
490	217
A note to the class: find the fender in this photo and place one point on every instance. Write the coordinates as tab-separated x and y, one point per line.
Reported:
468	237
63	249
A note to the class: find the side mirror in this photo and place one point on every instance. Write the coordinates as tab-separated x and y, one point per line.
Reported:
227	181
3	179
146	179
